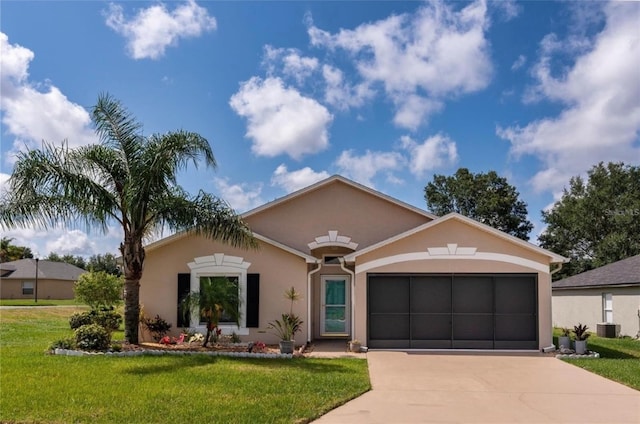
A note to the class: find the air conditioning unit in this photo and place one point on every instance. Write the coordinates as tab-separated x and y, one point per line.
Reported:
607	330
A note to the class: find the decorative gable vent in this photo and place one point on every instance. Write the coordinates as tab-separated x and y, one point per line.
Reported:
452	249
333	239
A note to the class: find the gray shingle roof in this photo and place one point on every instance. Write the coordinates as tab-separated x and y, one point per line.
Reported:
624	272
25	269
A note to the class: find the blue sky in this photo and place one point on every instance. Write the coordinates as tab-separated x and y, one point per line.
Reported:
385	93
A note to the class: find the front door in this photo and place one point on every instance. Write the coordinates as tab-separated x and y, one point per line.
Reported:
335	309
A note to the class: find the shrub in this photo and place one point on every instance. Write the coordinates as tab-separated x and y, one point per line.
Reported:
99	290
92	337
67	343
110	320
158	327
79	319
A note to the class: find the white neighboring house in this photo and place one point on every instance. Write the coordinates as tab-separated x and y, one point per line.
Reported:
609	294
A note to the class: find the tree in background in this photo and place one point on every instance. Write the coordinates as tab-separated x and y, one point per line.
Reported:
10	252
487	198
70	259
595	222
129	179
106	263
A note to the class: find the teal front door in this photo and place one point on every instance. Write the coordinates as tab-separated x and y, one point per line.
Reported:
335	312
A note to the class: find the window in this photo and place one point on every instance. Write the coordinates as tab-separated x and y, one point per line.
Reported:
231	268
331	260
27	288
607	307
220	290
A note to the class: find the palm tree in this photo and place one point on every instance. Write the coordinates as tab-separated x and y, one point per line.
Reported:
218	297
128	179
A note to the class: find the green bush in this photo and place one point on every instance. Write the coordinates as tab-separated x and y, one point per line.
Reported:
92	337
67	343
79	319
110	320
99	290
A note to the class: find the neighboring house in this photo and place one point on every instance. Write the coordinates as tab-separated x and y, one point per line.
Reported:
609	294
369	267
55	279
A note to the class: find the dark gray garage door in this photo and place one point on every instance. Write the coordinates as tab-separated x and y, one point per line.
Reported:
453	311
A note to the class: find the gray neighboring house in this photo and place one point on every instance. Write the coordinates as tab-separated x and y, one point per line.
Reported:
55	279
609	294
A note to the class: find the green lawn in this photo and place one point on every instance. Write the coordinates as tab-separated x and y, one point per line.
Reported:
35	387
40	302
619	359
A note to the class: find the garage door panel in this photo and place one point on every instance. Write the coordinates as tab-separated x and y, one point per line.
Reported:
515	327
389	327
472	294
389	294
431	294
431	326
473	327
515	295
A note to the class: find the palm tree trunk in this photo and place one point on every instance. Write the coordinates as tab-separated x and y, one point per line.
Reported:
133	258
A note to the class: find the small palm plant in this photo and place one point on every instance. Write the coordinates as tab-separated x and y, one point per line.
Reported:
217	298
290	324
580	332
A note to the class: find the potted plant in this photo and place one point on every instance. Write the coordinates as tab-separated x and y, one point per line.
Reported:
290	324
564	341
581	334
355	345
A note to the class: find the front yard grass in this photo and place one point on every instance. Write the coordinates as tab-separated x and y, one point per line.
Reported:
619	359
40	302
35	387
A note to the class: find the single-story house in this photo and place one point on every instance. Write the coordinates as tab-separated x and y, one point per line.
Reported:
55	279
369	267
609	294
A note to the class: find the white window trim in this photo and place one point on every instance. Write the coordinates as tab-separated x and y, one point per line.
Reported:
604	308
33	288
221	265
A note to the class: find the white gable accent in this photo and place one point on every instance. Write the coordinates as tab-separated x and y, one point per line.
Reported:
333	239
451	249
476	256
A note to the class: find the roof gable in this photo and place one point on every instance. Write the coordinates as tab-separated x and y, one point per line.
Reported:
26	269
620	273
553	258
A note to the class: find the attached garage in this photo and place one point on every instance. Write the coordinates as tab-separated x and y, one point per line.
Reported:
452	311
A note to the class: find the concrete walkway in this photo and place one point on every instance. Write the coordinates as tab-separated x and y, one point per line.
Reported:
476	388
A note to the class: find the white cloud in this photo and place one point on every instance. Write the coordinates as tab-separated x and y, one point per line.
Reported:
280	119
153	29
31	115
435	152
364	168
420	59
600	120
342	95
519	62
290	62
295	180
241	197
4	185
73	242
508	9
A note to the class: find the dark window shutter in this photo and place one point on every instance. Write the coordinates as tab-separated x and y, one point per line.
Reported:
253	300
184	287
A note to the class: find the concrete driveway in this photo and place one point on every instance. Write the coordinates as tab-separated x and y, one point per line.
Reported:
479	388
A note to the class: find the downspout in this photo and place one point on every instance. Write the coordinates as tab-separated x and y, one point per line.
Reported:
353	296
309	274
557	269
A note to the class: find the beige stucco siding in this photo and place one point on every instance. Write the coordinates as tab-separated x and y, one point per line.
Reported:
47	289
278	271
408	255
571	307
363	217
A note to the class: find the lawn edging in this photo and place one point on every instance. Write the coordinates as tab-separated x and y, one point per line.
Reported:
151	352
